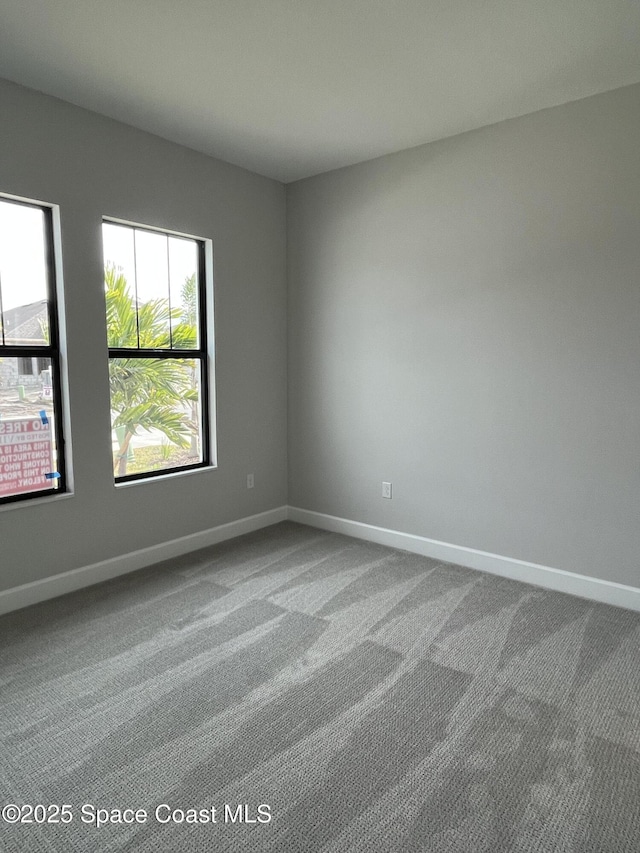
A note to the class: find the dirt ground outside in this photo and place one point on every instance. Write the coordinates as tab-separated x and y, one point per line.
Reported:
12	406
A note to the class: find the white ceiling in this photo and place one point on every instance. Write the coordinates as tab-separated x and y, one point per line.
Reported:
291	88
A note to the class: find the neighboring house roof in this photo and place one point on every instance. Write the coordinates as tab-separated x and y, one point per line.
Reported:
25	323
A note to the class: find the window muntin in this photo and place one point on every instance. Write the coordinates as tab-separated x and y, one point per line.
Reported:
31	443
156	333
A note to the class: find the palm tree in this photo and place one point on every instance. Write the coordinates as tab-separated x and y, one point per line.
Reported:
146	393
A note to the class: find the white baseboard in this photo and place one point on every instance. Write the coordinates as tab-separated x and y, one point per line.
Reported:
596	589
41	590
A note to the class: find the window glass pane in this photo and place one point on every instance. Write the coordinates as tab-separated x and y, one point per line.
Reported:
117	242
152	287
120	285
156	414
23	275
28	454
183	285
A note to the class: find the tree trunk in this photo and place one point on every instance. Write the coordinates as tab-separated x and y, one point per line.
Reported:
121	457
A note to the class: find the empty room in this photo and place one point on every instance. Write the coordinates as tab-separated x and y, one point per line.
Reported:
319	426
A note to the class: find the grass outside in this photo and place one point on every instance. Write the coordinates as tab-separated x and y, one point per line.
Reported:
158	458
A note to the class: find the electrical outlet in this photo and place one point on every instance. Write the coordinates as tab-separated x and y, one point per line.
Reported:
250	482
386	490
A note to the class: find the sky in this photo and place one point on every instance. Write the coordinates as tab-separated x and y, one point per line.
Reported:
162	264
22	255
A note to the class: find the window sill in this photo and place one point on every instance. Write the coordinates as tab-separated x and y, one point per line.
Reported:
36	501
171	475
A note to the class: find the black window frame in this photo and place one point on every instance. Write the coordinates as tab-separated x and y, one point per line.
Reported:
199	353
50	351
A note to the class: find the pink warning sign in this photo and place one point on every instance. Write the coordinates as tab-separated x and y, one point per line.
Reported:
26	455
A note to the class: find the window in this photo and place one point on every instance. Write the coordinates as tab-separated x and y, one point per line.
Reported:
31	443
25	365
157	337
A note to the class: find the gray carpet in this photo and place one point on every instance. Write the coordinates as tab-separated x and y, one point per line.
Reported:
372	699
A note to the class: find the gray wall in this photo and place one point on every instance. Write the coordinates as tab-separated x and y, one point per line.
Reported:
464	320
92	166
